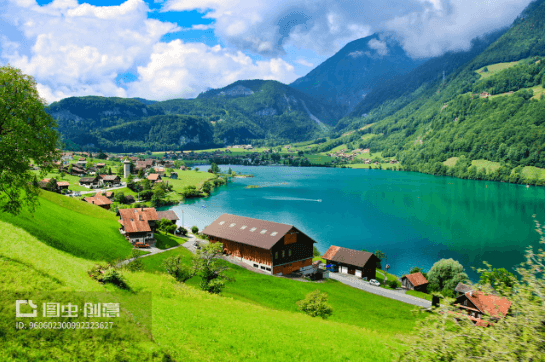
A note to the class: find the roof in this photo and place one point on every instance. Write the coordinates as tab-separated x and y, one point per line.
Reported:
87	179
488	303
169	215
62	183
137	220
109	177
153	177
98	200
463	288
249	231
416	279
348	256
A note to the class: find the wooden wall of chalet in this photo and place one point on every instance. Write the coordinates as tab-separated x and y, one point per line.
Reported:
247	252
296	246
291	267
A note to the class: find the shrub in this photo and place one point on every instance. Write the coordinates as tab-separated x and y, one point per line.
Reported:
393	284
194	229
182	231
112	276
173	265
315	304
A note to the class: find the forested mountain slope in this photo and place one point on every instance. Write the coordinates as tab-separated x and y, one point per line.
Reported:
356	69
450	118
243	112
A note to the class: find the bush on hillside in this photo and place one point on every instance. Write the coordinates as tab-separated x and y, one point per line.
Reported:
315	304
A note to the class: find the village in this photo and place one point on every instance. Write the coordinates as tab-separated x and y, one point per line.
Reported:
262	246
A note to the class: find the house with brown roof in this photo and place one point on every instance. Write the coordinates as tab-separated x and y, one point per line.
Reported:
77	171
476	304
154	177
348	261
415	281
100	165
169	215
99	200
138	225
90	181
271	247
462	288
63	185
111	180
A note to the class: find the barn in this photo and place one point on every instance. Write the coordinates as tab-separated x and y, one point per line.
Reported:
275	248
415	281
348	261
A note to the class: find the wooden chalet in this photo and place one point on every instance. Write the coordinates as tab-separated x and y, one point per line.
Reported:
348	261
154	177
44	182
475	304
77	171
272	247
169	215
63	185
99	200
100	165
415	281
111	180
138	225
90	181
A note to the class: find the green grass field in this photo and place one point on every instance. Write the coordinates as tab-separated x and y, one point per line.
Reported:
533	172
190	178
384	166
420	295
74	181
351	306
450	162
255	318
76	227
489	166
493	69
167	241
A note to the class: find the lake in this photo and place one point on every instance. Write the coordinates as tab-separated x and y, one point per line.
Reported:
415	219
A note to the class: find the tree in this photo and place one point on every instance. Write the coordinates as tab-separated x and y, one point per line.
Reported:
315	304
140	173
182	231
158	196
120	171
229	171
445	274
214	168
194	229
163	224
519	336
27	134
173	265
196	169
70	168
130	179
497	278
136	264
316	252
380	255
210	269
109	170
51	185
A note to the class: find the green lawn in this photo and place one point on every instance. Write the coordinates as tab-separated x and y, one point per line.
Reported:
190	178
384	166
351	306
450	162
532	172
319	159
420	295
489	166
166	241
74	226
493	69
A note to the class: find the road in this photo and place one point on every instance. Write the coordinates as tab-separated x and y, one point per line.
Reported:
94	191
387	293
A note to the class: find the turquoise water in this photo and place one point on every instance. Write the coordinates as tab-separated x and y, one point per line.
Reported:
415	219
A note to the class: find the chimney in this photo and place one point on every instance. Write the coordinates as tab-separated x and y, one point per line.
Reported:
471	293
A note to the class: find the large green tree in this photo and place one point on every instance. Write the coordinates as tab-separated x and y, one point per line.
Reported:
445	274
27	135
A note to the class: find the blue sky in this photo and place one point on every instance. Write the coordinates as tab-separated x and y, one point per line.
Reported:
178	48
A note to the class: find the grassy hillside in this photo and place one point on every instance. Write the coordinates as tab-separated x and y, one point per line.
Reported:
254	319
76	227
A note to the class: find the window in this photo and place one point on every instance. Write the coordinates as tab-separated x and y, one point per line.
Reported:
263	231
231	225
222	222
289	252
283	253
274	233
243	227
253	229
268	269
262	267
276	255
255	265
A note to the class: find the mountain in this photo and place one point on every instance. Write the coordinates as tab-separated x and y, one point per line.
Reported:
247	111
489	109
351	73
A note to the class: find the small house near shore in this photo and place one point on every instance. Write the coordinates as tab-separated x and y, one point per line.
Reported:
475	305
99	200
348	261
169	215
462	288
415	281
138	225
271	247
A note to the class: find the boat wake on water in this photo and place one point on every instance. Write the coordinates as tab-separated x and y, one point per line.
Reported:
283	198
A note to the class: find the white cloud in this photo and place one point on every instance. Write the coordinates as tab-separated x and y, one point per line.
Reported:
305	63
74	49
451	25
356	54
182	70
379	46
425	27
